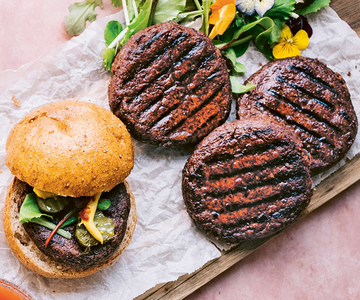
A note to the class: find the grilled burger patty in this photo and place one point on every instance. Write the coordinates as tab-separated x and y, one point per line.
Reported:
69	252
247	179
308	97
170	85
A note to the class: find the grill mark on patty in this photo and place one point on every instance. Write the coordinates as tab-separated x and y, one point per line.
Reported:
310	114
158	99
190	80
315	79
165	70
149	42
256	167
283	177
301	89
280	192
156	55
310	132
258	149
195	111
282	211
266	174
141	103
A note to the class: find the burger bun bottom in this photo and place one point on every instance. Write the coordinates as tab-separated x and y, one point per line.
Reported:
28	253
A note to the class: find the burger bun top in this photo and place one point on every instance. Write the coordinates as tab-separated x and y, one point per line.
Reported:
70	148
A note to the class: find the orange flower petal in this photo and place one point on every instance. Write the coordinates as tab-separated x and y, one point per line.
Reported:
215	10
221	3
227	14
284	50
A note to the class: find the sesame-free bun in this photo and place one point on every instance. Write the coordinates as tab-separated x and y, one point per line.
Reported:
70	148
29	254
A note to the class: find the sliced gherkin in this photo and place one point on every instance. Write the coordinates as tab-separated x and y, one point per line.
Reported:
102	223
52	205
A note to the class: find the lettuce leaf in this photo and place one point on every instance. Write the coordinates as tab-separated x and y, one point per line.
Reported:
168	10
80	12
30	212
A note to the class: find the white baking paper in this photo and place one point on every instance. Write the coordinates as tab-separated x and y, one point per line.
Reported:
165	244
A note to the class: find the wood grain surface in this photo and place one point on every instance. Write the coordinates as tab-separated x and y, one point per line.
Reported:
349	11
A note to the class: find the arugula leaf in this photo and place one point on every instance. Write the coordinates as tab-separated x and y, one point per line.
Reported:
168	10
238	88
104	204
30	212
80	12
313	7
112	30
231	55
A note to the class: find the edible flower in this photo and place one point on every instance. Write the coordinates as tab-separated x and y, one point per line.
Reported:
248	7
222	14
289	45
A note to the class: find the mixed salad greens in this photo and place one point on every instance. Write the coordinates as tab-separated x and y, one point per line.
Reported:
232	24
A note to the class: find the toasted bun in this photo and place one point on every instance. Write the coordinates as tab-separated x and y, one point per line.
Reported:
70	148
27	252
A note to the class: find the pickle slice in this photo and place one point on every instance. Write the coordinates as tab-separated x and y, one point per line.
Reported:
102	223
52	205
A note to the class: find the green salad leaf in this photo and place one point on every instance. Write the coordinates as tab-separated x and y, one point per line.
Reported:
238	88
30	212
103	204
116	3
138	23
168	10
80	12
231	55
311	7
281	9
206	11
112	30
279	14
71	220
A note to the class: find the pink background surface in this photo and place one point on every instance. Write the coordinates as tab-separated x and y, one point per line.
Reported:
317	258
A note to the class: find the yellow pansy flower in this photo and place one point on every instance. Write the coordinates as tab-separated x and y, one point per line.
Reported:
289	45
222	14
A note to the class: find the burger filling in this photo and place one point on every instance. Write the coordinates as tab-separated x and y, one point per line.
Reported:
74	245
92	226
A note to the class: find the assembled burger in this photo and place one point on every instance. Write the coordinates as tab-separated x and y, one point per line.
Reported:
69	211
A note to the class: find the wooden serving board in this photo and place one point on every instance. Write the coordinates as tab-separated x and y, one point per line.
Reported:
349	11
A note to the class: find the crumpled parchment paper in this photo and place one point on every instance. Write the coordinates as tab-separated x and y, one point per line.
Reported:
165	243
